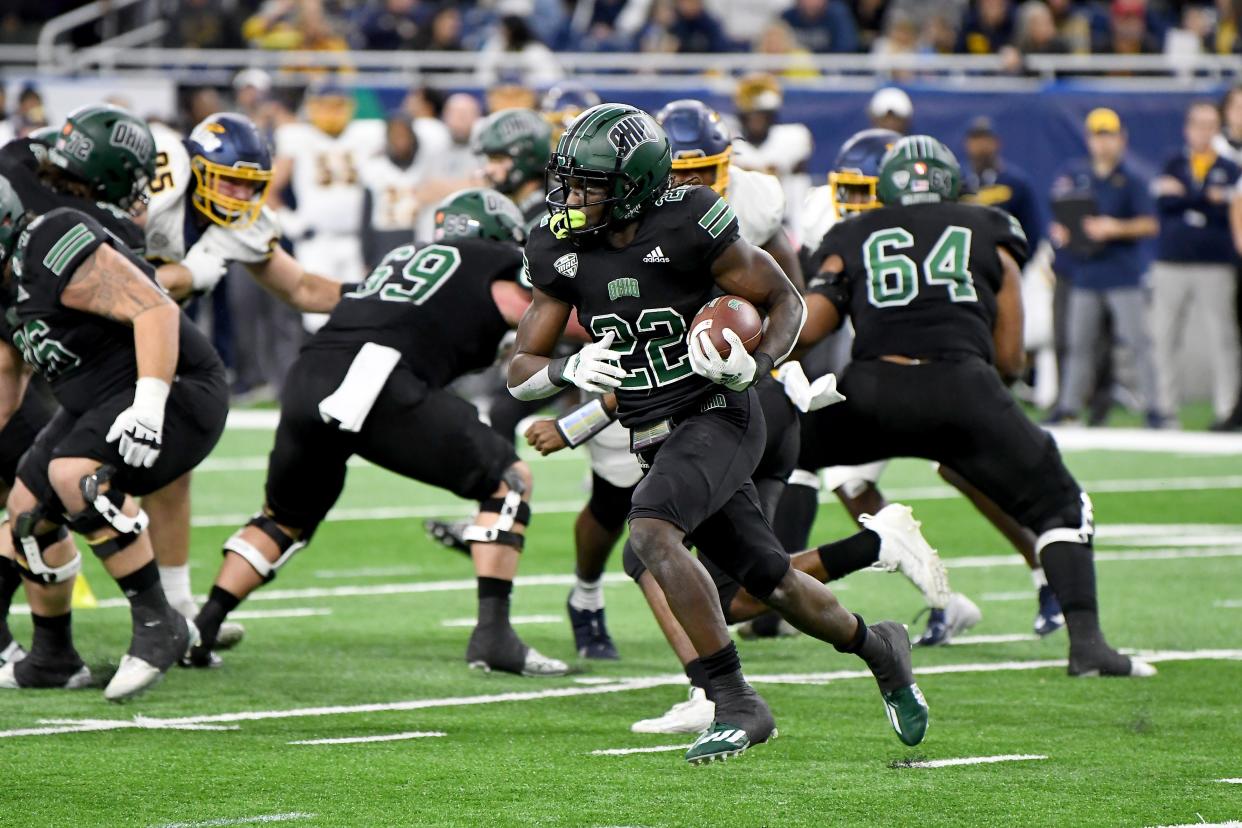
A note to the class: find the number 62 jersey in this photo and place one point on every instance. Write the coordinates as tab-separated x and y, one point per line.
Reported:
920	280
646	294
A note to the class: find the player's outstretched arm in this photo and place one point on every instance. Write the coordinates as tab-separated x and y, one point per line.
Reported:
751	273
529	377
822	315
286	279
107	284
1007	332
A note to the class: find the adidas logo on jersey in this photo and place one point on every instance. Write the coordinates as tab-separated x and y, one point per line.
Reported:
656	256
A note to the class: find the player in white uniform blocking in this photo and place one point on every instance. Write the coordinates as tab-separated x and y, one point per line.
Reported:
207	209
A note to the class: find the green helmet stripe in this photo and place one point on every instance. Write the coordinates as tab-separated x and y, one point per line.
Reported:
600	114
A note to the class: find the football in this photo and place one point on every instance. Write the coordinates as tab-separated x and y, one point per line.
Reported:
734	313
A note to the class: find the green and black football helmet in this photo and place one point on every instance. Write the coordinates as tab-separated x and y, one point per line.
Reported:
522	135
611	147
109	150
11	213
479	213
918	169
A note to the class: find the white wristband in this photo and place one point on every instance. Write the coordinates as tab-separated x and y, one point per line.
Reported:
150	396
583	423
537	387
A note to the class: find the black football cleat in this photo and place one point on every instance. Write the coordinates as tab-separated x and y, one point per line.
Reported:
591	638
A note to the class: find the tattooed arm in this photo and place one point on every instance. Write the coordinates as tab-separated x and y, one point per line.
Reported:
109	285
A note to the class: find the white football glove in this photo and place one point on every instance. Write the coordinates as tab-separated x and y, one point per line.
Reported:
736	372
805	395
140	427
205	263
595	368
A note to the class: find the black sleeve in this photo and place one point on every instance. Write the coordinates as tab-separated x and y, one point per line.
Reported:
1009	235
52	248
835	286
713	225
549	266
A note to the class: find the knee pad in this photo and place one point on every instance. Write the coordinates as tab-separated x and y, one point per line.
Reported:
250	554
30	547
1067	532
802	477
511	509
103	511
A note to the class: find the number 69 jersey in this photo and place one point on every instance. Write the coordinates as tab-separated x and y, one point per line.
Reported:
646	294
433	303
920	280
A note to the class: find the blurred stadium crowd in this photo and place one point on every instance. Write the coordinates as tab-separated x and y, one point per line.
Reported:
538	29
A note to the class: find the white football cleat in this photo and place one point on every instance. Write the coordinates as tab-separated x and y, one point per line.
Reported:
136	674
1141	669
538	664
13	653
903	548
8	679
230	635
694	715
961	614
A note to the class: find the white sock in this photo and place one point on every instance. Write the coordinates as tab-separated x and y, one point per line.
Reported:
176	583
1038	577
587	595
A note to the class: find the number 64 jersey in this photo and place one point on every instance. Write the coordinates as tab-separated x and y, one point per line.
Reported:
920	280
646	294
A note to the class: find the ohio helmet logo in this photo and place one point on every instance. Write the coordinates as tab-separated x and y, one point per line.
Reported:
137	141
630	133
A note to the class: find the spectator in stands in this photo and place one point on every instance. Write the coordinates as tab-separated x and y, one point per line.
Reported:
991	180
200	103
390	25
1037	31
202	24
891	108
515	51
31	114
657	34
7	130
442	32
823	25
987	25
1223	38
423	102
461	112
1195	261
1073	25
293	24
1104	262
939	35
901	37
869	17
1228	142
251	88
1128	32
696	30
778	39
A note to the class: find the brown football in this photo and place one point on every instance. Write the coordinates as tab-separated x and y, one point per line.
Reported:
734	313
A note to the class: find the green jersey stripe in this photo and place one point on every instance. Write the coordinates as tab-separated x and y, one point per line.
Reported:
711	215
77	247
69	246
721	223
61	243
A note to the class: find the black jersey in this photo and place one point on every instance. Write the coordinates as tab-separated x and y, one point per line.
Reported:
646	294
921	280
433	303
19	163
86	358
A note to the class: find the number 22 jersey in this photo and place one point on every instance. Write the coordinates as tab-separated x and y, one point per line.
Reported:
646	293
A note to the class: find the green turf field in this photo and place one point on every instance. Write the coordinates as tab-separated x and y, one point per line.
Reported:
376	618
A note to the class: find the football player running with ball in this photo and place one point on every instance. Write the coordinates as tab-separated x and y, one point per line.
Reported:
371	383
693	416
933	289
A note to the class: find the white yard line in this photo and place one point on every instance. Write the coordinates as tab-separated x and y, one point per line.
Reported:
368	572
621	685
975	760
516	619
1229	603
1233	823
292	612
1235	781
1003	638
212	823
628	751
1026	595
387	737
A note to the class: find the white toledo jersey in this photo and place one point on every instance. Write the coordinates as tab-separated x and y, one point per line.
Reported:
166	225
816	218
327	172
758	201
784	149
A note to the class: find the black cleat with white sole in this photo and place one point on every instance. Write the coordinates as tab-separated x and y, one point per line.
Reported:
64	671
1096	658
498	647
160	641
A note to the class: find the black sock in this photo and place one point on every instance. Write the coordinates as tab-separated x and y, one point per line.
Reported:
697	673
873	650
724	670
795	514
53	635
494	600
856	552
219	604
1070	569
10	580
142	589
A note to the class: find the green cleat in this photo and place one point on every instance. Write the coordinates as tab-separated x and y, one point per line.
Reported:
907	712
721	741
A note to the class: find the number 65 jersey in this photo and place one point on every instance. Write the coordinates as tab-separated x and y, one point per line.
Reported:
647	294
920	280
